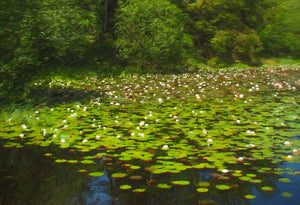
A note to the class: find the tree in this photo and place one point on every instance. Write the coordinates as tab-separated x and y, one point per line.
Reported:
35	32
151	34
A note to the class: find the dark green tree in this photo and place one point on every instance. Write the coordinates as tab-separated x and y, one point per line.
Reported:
151	34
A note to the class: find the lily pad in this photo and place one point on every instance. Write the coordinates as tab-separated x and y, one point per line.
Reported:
125	187
285	180
223	187
202	190
249	196
267	188
96	174
140	190
119	175
286	194
180	183
164	186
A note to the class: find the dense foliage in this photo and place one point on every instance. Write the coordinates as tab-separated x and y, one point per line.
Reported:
146	35
151	36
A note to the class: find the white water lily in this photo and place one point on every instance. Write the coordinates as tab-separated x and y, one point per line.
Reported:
62	141
23	126
224	171
210	140
84	141
238	122
98	137
141	134
21	135
165	147
287	143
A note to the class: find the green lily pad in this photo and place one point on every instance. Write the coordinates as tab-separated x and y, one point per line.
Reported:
223	187
285	180
119	175
96	174
203	184
60	161
286	194
125	187
164	186
202	190
180	183
249	196
140	190
267	188
87	161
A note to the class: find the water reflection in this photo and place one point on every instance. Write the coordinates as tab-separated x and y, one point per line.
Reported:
98	191
28	177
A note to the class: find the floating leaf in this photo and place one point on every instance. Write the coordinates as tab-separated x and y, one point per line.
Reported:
140	190
96	174
125	187
164	186
202	190
203	184
181	183
249	196
223	187
285	180
119	175
286	194
60	161
267	188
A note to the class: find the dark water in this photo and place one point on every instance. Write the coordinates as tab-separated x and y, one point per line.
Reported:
28	177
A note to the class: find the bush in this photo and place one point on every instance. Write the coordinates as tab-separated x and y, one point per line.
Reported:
151	35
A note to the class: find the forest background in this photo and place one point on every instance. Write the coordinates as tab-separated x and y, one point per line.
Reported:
140	36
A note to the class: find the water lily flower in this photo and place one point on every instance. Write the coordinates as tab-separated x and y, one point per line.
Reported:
98	137
142	123
224	171
210	140
160	100
287	143
165	147
249	132
240	159
141	134
23	126
238	122
118	136
204	131
21	135
289	156
84	141
62	141
51	109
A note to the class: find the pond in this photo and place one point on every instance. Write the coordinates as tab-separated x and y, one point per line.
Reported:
213	137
